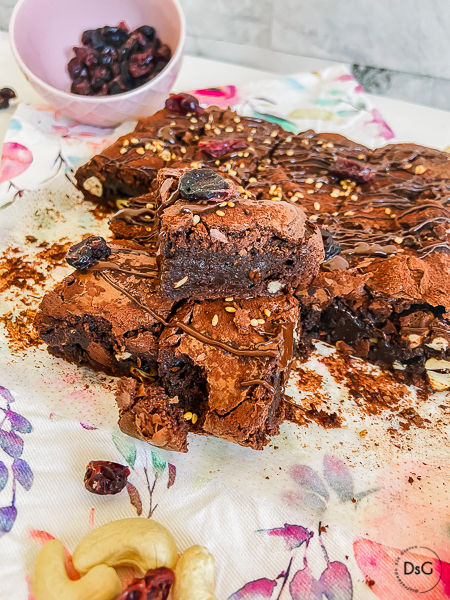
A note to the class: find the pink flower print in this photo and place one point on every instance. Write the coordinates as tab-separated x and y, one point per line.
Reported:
378	564
260	589
220	96
345	77
384	130
15	160
293	535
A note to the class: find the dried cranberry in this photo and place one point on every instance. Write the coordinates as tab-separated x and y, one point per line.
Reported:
81	86
331	246
135	43
201	184
87	252
117	86
104	477
76	68
115	36
183	104
7	93
164	53
86	37
155	585
123	26
99	76
148	31
218	148
345	168
141	63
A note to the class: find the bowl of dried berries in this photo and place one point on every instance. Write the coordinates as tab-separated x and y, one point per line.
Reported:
103	62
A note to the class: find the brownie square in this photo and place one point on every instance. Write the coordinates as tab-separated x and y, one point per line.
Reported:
235	245
93	321
146	412
227	362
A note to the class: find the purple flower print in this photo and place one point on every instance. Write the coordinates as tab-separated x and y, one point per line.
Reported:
11	425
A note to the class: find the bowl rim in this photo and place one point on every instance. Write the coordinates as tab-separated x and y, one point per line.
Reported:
95	99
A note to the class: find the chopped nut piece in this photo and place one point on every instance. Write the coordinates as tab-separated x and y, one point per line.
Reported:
181	282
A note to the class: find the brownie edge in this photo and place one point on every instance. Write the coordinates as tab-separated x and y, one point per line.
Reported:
146	412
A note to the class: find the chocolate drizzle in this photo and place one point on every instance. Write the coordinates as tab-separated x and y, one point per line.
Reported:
256	351
261	382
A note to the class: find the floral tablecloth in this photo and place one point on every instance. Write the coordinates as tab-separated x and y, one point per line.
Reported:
322	513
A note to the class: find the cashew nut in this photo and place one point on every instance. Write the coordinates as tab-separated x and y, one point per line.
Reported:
194	575
94	186
51	582
140	543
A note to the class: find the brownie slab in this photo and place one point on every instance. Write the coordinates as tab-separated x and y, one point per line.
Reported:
146	412
222	139
90	319
227	362
393	310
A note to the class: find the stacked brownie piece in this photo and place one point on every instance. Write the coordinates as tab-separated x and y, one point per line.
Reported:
215	278
193	300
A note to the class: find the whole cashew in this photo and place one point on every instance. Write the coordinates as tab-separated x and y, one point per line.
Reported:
194	575
51	582
140	543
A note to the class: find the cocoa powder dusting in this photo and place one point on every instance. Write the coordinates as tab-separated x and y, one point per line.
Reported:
371	397
23	280
311	408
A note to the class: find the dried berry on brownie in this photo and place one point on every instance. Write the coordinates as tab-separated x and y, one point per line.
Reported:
228	365
90	318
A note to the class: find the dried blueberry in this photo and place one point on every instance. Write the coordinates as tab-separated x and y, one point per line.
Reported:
114	36
330	245
182	104
201	184
218	148
148	31
155	585
140	64
97	39
345	168
107	56
87	252
104	478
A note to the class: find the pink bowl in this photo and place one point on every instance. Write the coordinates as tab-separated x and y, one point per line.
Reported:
43	32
